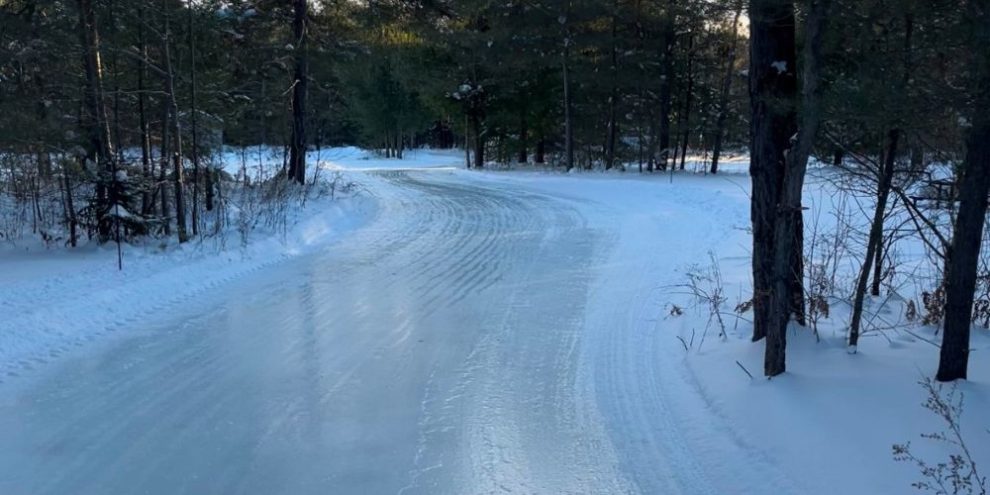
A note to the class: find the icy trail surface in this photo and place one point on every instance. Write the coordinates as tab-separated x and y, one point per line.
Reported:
481	334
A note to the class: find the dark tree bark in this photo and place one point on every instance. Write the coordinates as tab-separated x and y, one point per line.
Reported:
963	257
876	234
178	178
666	76
874	243
297	150
147	169
479	140
786	297
773	87
878	268
688	99
565	62
614	94
723	101
163	166
192	121
70	209
523	136
540	151
964	254
96	125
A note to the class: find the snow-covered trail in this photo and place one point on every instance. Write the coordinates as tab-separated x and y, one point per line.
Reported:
479	335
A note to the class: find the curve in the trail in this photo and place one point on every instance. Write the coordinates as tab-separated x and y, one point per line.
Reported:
474	337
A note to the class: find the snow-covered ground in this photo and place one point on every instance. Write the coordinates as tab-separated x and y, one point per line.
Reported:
447	331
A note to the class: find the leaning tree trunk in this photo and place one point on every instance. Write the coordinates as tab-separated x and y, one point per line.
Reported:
723	101
773	87
297	151
876	235
875	240
963	257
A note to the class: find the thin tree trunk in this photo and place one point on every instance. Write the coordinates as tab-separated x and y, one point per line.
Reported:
399	145
614	94
688	97
146	166
876	234
96	125
479	141
666	76
163	167
875	240
192	120
70	209
723	102
177	171
523	136
568	97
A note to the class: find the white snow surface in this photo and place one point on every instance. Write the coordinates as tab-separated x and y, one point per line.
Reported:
448	331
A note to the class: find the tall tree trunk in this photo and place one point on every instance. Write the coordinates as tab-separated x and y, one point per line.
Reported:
875	241
723	101
192	120
540	151
568	96
297	152
97	128
963	257
876	235
773	87
614	94
786	297
964	254
178	178
688	97
666	76
163	167
147	171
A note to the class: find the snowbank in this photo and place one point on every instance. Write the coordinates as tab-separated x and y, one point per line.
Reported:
58	300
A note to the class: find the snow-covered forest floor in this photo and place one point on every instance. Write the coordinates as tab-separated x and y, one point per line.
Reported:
467	332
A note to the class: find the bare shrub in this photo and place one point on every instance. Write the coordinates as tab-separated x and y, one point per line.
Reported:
705	286
957	474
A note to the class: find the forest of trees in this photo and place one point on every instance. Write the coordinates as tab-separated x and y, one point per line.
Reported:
114	110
